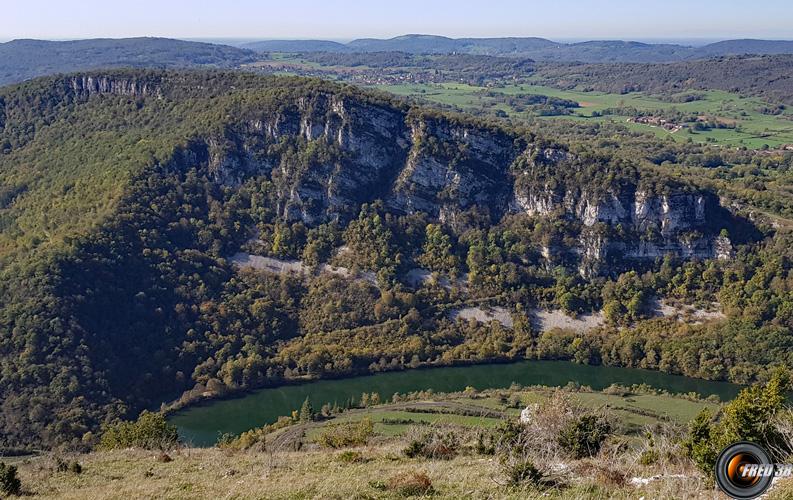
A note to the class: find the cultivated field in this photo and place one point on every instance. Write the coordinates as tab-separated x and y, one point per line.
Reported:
753	128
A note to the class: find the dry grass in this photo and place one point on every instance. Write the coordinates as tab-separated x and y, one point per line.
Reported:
382	470
211	473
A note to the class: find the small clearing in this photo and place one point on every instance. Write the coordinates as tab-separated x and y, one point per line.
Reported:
482	315
279	266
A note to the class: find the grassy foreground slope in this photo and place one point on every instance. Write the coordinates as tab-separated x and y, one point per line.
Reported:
294	463
459	445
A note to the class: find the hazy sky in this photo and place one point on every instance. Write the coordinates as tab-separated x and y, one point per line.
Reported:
347	19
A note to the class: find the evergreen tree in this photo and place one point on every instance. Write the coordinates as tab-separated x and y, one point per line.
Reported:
306	411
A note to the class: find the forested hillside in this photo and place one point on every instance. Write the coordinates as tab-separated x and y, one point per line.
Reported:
24	59
541	49
768	77
126	195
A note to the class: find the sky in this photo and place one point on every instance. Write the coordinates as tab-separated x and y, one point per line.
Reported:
348	19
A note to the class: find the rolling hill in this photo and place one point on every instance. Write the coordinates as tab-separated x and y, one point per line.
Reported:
540	49
24	59
296	46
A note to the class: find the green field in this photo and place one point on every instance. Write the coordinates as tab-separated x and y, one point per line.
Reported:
634	412
753	129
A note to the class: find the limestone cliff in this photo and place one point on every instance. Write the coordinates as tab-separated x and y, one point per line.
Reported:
327	153
86	86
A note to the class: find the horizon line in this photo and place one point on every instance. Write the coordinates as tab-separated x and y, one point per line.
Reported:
346	40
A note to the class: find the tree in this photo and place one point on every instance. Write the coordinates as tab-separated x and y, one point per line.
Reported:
306	411
613	311
372	241
437	251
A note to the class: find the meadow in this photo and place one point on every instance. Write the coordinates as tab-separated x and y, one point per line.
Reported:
753	128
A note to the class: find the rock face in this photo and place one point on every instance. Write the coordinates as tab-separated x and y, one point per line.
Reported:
451	168
431	165
85	86
632	222
327	153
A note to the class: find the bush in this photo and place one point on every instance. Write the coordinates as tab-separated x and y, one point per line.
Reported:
584	436
749	417
649	457
150	431
485	443
617	390
442	445
9	481
408	484
72	466
348	434
521	472
351	457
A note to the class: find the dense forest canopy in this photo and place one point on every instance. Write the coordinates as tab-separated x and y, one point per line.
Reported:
126	195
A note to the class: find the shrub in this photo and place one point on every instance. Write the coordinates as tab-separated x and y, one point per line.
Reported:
749	417
609	477
408	484
584	436
485	443
435	444
254	437
351	457
521	472
617	390
649	457
150	431
347	434
9	481
72	466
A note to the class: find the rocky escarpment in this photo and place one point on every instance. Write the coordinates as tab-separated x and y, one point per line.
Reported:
632	221
327	153
354	152
85	86
452	168
420	163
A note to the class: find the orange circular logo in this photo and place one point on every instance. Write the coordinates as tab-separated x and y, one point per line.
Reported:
744	470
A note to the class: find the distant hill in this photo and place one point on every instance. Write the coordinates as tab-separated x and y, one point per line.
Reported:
24	59
767	76
424	44
740	47
296	46
539	49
